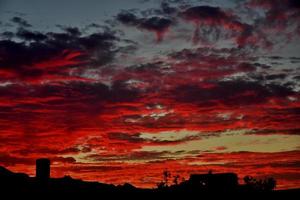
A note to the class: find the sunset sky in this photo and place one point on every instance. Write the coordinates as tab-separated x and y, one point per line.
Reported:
119	91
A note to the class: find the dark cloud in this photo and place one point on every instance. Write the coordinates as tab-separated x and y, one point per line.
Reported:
7	34
211	23
74	31
126	137
296	77
294	60
275	57
21	22
30	35
238	92
207	17
128	18
276	76
158	25
138	155
49	54
136	138
205	13
73	91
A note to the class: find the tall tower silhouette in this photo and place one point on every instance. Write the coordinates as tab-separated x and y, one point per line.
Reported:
42	169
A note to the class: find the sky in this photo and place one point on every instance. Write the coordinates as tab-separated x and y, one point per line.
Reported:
119	91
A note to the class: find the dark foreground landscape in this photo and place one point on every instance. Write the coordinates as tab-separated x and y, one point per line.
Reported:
210	184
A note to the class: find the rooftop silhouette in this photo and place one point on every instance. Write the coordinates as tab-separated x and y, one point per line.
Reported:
209	183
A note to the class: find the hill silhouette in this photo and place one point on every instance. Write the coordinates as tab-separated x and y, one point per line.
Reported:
199	184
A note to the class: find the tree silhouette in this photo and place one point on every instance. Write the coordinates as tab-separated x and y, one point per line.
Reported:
166	175
165	182
176	179
270	184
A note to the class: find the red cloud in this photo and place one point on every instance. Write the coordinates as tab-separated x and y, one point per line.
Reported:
213	17
66	59
66	97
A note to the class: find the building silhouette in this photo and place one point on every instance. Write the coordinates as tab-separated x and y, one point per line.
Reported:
42	169
204	184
